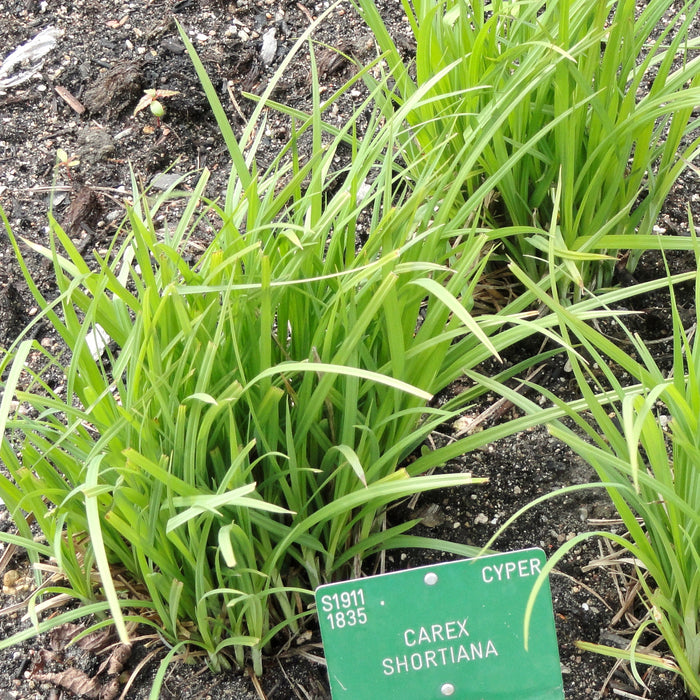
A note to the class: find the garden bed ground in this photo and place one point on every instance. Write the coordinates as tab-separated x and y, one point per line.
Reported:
82	101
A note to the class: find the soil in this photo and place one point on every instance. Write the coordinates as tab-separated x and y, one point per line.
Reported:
82	100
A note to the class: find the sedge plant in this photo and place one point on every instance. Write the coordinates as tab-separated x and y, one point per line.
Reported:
600	103
643	439
239	438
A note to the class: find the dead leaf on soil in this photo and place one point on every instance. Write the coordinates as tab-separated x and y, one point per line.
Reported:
114	664
74	680
111	690
60	636
97	641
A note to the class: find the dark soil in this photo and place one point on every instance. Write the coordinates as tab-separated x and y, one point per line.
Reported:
82	101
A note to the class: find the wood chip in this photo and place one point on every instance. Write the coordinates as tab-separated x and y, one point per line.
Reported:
74	103
116	23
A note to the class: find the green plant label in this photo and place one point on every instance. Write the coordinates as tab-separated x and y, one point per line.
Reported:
450	630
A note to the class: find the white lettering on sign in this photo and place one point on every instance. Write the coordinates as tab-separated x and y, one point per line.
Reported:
344	600
510	569
436	633
346	609
432	658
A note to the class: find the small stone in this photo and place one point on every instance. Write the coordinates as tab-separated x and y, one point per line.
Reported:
164	181
96	144
269	46
432	517
304	637
13	583
10	578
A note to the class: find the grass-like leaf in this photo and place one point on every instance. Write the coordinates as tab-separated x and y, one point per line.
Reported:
542	97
